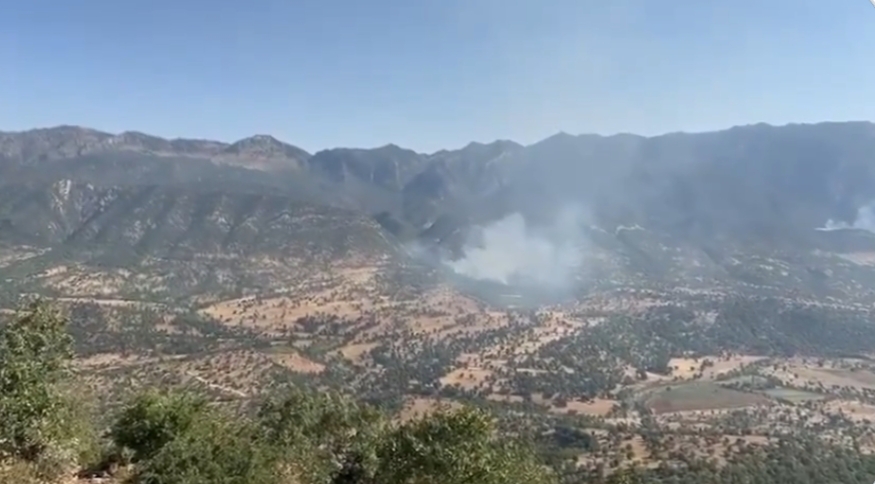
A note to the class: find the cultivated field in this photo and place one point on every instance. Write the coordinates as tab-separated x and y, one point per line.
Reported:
700	396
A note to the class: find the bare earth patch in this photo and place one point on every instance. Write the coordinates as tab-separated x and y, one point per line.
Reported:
356	352
856	411
297	362
688	368
599	407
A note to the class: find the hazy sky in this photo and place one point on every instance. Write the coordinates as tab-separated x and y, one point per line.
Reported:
430	74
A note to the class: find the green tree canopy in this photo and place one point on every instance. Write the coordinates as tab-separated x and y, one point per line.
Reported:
35	351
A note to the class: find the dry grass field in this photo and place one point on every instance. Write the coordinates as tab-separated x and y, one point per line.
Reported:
689	368
599	407
861	412
826	374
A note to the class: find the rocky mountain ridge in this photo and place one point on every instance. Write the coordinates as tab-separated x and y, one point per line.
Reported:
65	142
749	178
740	205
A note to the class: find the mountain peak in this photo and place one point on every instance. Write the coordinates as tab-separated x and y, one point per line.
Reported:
562	135
264	146
499	145
258	141
56	142
136	139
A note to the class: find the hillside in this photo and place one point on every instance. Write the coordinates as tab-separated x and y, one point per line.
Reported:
162	243
737	207
676	299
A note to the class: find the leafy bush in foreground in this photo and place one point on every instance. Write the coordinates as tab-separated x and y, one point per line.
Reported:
154	419
39	422
215	449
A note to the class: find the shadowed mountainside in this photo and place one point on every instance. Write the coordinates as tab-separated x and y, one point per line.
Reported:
668	209
756	179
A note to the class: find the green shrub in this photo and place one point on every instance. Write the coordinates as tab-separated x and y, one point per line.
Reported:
35	351
456	448
322	435
154	419
215	449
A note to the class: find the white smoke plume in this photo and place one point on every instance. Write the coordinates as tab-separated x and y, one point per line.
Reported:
510	250
865	220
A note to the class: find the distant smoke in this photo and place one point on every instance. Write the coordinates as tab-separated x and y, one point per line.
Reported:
865	220
511	251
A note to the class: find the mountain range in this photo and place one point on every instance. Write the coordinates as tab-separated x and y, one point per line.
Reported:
668	208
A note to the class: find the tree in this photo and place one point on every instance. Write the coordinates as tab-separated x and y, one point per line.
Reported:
455	448
154	419
215	449
35	351
325	436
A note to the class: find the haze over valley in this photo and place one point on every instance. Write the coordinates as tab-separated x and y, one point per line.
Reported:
449	242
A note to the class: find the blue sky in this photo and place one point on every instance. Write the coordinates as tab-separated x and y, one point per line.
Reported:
430	74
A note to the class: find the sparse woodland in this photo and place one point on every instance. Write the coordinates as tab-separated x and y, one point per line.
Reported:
51	431
176	437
